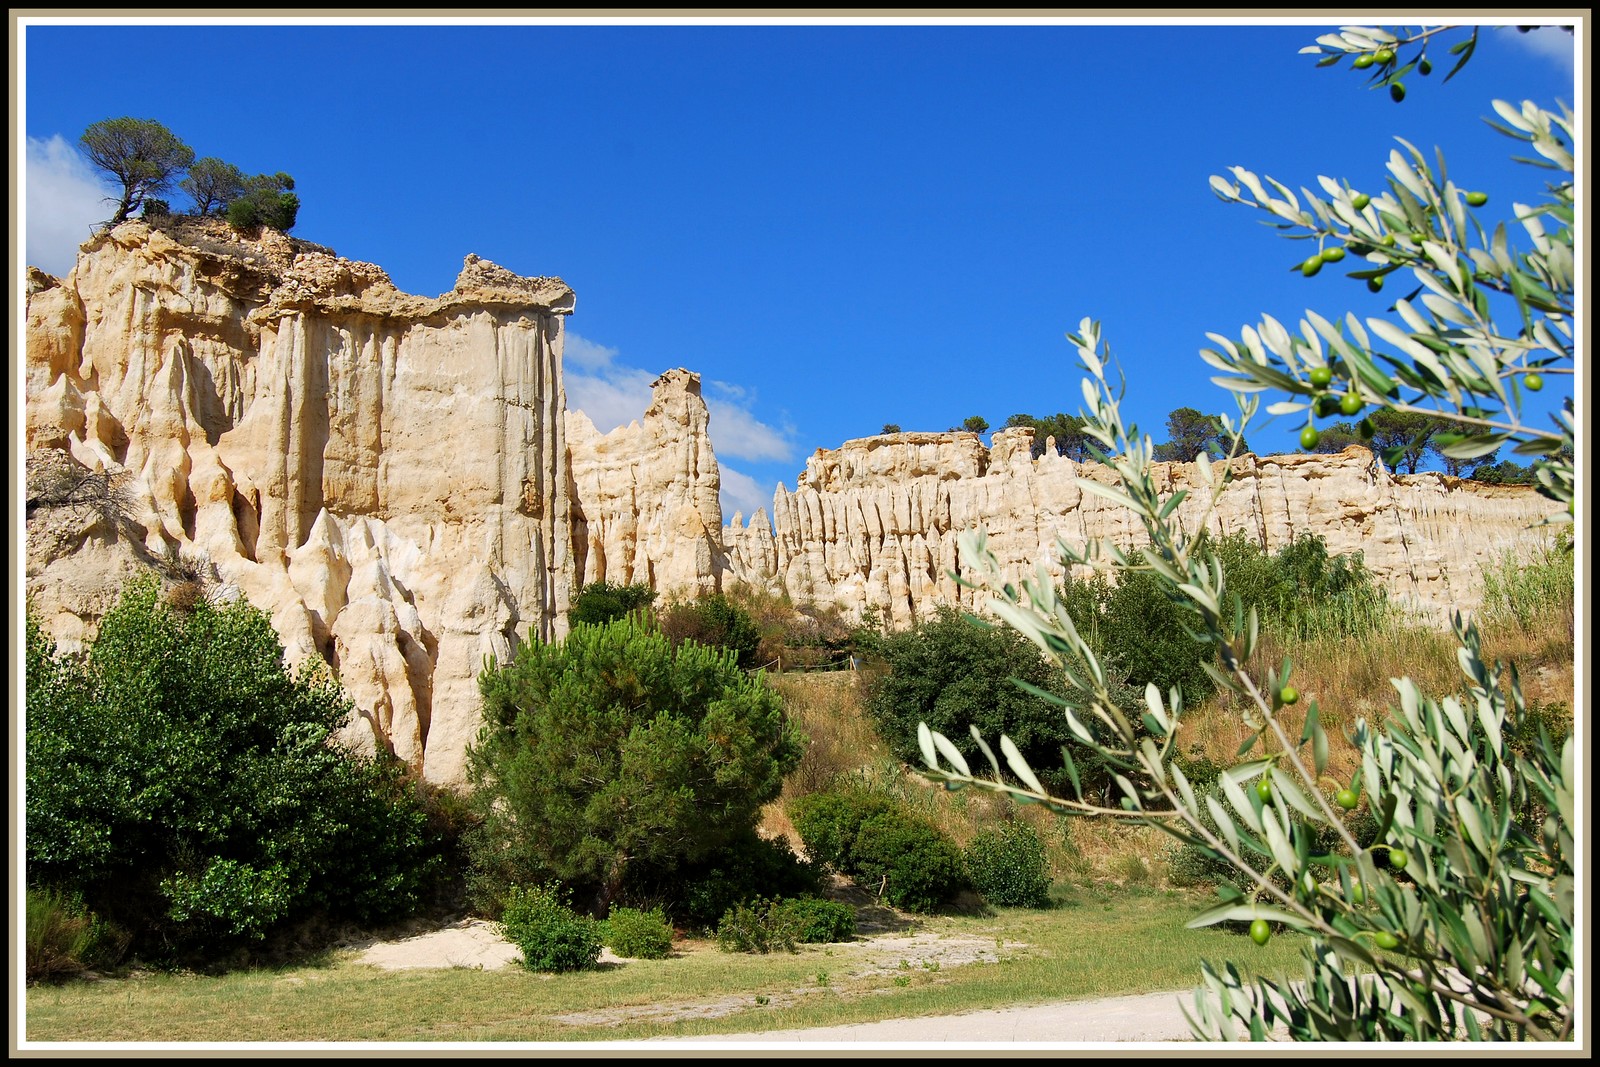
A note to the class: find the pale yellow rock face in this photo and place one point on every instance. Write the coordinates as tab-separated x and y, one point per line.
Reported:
875	522
385	474
646	504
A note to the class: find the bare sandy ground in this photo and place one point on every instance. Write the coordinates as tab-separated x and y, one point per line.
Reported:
1155	1017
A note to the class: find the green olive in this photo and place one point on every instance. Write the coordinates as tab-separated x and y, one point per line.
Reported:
1533	381
1321	376
1360	201
1385	940
1325	405
1363	61
1397	91
1425	68
1333	254
1309	438
1264	789
1366	429
1260	932
1375	283
1384	56
1358	894
1350	404
1347	799
1311	265
1289	694
1388	240
1476	199
1397	859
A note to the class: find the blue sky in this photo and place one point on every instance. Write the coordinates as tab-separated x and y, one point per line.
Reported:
837	226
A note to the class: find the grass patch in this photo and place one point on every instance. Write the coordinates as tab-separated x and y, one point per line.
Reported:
1092	944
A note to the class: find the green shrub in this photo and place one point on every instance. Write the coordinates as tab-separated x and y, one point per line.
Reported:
600	602
613	749
186	786
828	823
551	935
819	922
1522	593
64	940
758	926
639	935
717	622
948	673
746	868
1008	866
910	861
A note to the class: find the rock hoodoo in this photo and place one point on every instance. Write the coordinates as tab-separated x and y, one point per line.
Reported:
395	479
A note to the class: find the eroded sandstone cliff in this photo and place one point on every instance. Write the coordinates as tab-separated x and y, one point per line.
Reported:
875	522
395	478
386	474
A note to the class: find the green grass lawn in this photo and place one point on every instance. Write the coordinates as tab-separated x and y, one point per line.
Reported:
1097	942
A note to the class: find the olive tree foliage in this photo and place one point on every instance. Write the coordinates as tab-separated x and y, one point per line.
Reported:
141	155
1457	921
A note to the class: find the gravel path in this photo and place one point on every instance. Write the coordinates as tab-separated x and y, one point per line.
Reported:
1151	1017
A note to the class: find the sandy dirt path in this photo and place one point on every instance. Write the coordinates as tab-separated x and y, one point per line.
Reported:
1152	1017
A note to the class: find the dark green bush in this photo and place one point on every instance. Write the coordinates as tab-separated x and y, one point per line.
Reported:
828	823
746	868
266	201
613	749
1008	866
951	672
819	922
601	602
551	935
914	865
185	785
639	935
758	926
869	837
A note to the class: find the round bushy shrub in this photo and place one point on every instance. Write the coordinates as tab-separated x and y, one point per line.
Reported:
820	922
639	935
913	864
828	823
749	867
717	622
1008	866
950	672
551	935
758	926
187	788
613	749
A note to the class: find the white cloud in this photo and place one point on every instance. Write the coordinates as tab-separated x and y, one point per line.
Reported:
613	395
742	493
735	432
582	352
65	199
1547	42
610	400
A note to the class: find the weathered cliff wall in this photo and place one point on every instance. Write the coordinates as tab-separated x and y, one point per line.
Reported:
646	503
386	474
875	522
395	478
